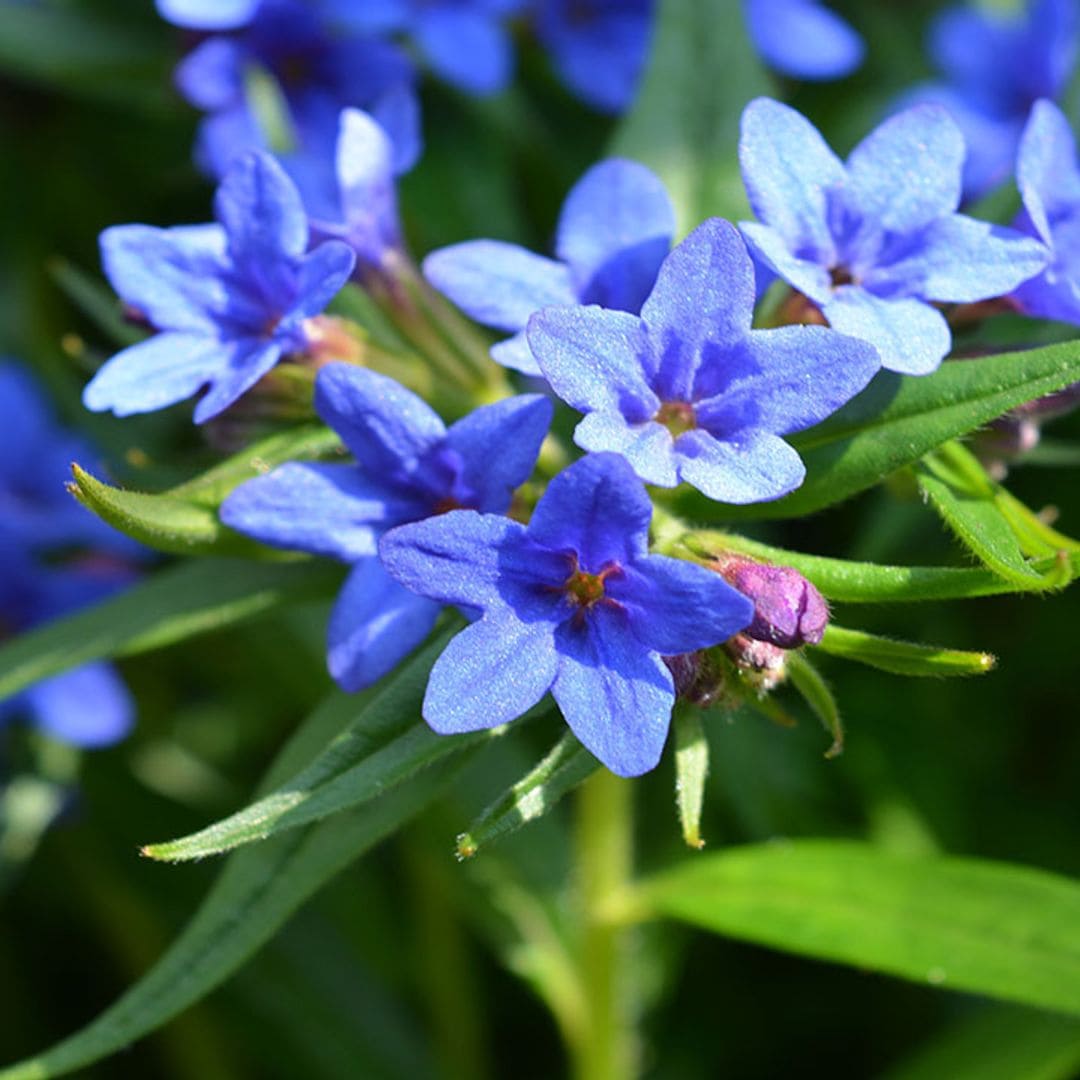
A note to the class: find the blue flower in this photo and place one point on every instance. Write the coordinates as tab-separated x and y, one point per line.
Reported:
599	47
1048	174
874	241
688	391
410	467
996	66
319	68
614	231
230	299
803	39
208	14
574	604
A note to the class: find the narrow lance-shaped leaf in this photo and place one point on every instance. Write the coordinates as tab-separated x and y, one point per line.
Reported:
903	657
691	770
817	695
1012	932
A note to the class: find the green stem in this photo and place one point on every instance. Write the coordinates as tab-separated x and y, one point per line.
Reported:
607	1047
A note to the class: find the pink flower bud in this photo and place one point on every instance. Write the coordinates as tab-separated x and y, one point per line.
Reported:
788	610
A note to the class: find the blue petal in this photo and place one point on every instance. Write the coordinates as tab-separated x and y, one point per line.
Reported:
514	353
225	136
615	694
648	447
326	509
788	379
810	278
498	284
678	607
594	359
961	260
1046	169
910	336
323	274
249	359
972	49
387	428
614	231
211	76
752	466
489	674
160	371
370	17
596	508
803	39
703	299
907	172
89	706
789	172
208	14
174	277
375	623
397	111
499	445
466	48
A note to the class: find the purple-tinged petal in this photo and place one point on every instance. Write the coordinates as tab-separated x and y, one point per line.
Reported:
371	16
596	508
906	172
804	39
489	674
324	509
498	284
1047	171
594	359
678	607
160	371
466	48
514	353
89	706
614	232
323	274
753	466
375	623
703	300
789	171
499	445
648	447
211	76
387	428
249	359
208	14
173	277
910	336
810	278
961	260
790	378
615	694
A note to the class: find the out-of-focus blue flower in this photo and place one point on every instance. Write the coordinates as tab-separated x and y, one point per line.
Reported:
465	42
229	300
803	39
598	47
208	14
614	231
996	66
874	241
410	467
1048	174
350	193
574	604
688	391
319	68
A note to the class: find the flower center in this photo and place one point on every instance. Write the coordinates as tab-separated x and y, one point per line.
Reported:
586	589
677	416
841	275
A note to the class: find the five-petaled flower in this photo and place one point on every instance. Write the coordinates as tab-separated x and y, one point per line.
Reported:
572	603
872	242
688	391
230	300
410	467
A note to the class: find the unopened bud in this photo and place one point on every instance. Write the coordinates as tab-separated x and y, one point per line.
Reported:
788	610
696	677
762	665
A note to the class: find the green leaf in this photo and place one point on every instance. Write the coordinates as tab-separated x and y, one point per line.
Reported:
817	695
685	123
691	770
382	746
897	419
903	657
173	604
963	924
251	900
565	766
95	301
869	583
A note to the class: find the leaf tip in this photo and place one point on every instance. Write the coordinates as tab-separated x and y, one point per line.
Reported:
465	847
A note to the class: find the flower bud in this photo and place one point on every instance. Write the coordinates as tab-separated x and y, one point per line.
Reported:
697	680
788	610
761	665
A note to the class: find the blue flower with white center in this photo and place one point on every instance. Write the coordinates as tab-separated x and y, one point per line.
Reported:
614	231
229	300
874	241
1048	175
688	391
996	66
464	42
598	47
410	467
572	603
804	39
